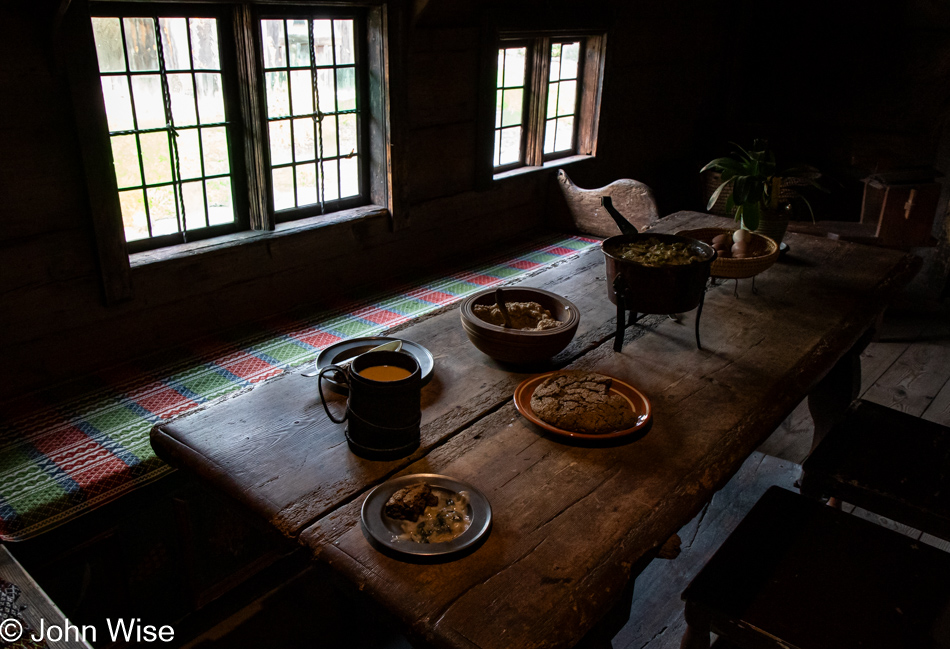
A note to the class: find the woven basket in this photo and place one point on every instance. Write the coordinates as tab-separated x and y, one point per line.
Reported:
765	249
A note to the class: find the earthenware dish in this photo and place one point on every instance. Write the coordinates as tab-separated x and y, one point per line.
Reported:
514	345
637	400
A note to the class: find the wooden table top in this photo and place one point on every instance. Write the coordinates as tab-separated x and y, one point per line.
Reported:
569	521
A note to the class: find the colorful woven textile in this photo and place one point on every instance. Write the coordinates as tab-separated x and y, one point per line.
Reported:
78	447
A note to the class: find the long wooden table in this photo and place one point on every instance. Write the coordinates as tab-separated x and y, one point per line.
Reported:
572	523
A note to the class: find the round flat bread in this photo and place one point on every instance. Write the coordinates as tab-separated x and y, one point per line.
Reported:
581	402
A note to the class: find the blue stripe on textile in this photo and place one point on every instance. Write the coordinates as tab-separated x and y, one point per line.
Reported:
105	441
52	469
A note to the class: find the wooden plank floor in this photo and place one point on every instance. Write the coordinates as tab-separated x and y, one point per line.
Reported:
907	367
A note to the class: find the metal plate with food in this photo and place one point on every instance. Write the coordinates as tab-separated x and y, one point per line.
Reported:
346	349
426	515
618	390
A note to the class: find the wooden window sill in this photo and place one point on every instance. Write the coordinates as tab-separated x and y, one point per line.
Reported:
287	229
550	164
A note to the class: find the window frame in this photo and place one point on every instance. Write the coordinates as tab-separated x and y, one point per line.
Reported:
587	108
77	55
358	15
230	90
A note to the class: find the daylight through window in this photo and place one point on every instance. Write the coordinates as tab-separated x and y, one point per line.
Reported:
562	98
547	98
310	81
164	99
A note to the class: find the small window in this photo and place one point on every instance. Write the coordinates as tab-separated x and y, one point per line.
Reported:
169	125
547	97
509	105
562	98
312	99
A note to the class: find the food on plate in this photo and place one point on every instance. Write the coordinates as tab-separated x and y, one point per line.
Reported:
654	252
427	517
582	402
409	502
527	316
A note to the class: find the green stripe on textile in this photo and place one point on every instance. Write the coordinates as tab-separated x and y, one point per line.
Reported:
501	271
283	351
406	305
353	328
205	382
458	288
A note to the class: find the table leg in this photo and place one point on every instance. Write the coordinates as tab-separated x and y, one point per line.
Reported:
696	635
834	393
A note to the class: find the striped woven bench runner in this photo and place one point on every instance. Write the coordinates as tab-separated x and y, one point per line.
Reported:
75	448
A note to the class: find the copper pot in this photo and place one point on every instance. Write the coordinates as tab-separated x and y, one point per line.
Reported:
657	289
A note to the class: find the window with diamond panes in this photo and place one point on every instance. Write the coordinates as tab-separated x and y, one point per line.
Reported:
312	101
562	97
168	126
509	106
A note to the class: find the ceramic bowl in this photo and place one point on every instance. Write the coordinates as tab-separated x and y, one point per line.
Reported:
513	345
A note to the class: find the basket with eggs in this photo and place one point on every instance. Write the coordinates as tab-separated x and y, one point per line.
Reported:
740	253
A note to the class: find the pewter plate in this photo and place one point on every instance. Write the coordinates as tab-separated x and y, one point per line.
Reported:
347	349
384	529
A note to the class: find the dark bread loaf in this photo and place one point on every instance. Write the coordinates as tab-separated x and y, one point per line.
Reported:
582	402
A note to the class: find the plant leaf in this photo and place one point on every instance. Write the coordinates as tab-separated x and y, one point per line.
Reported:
723	163
741	189
715	196
750	216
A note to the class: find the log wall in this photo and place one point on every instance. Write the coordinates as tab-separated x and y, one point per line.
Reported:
669	104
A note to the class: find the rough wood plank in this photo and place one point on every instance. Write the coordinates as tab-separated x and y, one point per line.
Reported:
92	130
712	409
939	409
445	94
900	528
656	618
877	359
935	541
792	440
442	160
282	423
39	607
914	380
630	498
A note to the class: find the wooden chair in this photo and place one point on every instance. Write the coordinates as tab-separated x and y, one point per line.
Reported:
887	462
580	209
796	573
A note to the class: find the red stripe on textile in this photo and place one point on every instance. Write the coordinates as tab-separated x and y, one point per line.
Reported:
481	280
435	297
318	339
561	251
250	368
524	264
380	316
81	458
96	470
161	400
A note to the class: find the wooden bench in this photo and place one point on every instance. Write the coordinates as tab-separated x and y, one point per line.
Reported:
888	462
796	573
35	612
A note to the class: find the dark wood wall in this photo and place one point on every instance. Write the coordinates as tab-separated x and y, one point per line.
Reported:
671	101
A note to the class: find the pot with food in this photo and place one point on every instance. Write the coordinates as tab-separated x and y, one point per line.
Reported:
654	273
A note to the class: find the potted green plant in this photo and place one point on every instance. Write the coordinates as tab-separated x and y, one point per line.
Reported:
761	190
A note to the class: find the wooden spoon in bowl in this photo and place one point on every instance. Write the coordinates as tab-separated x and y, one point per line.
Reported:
500	300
